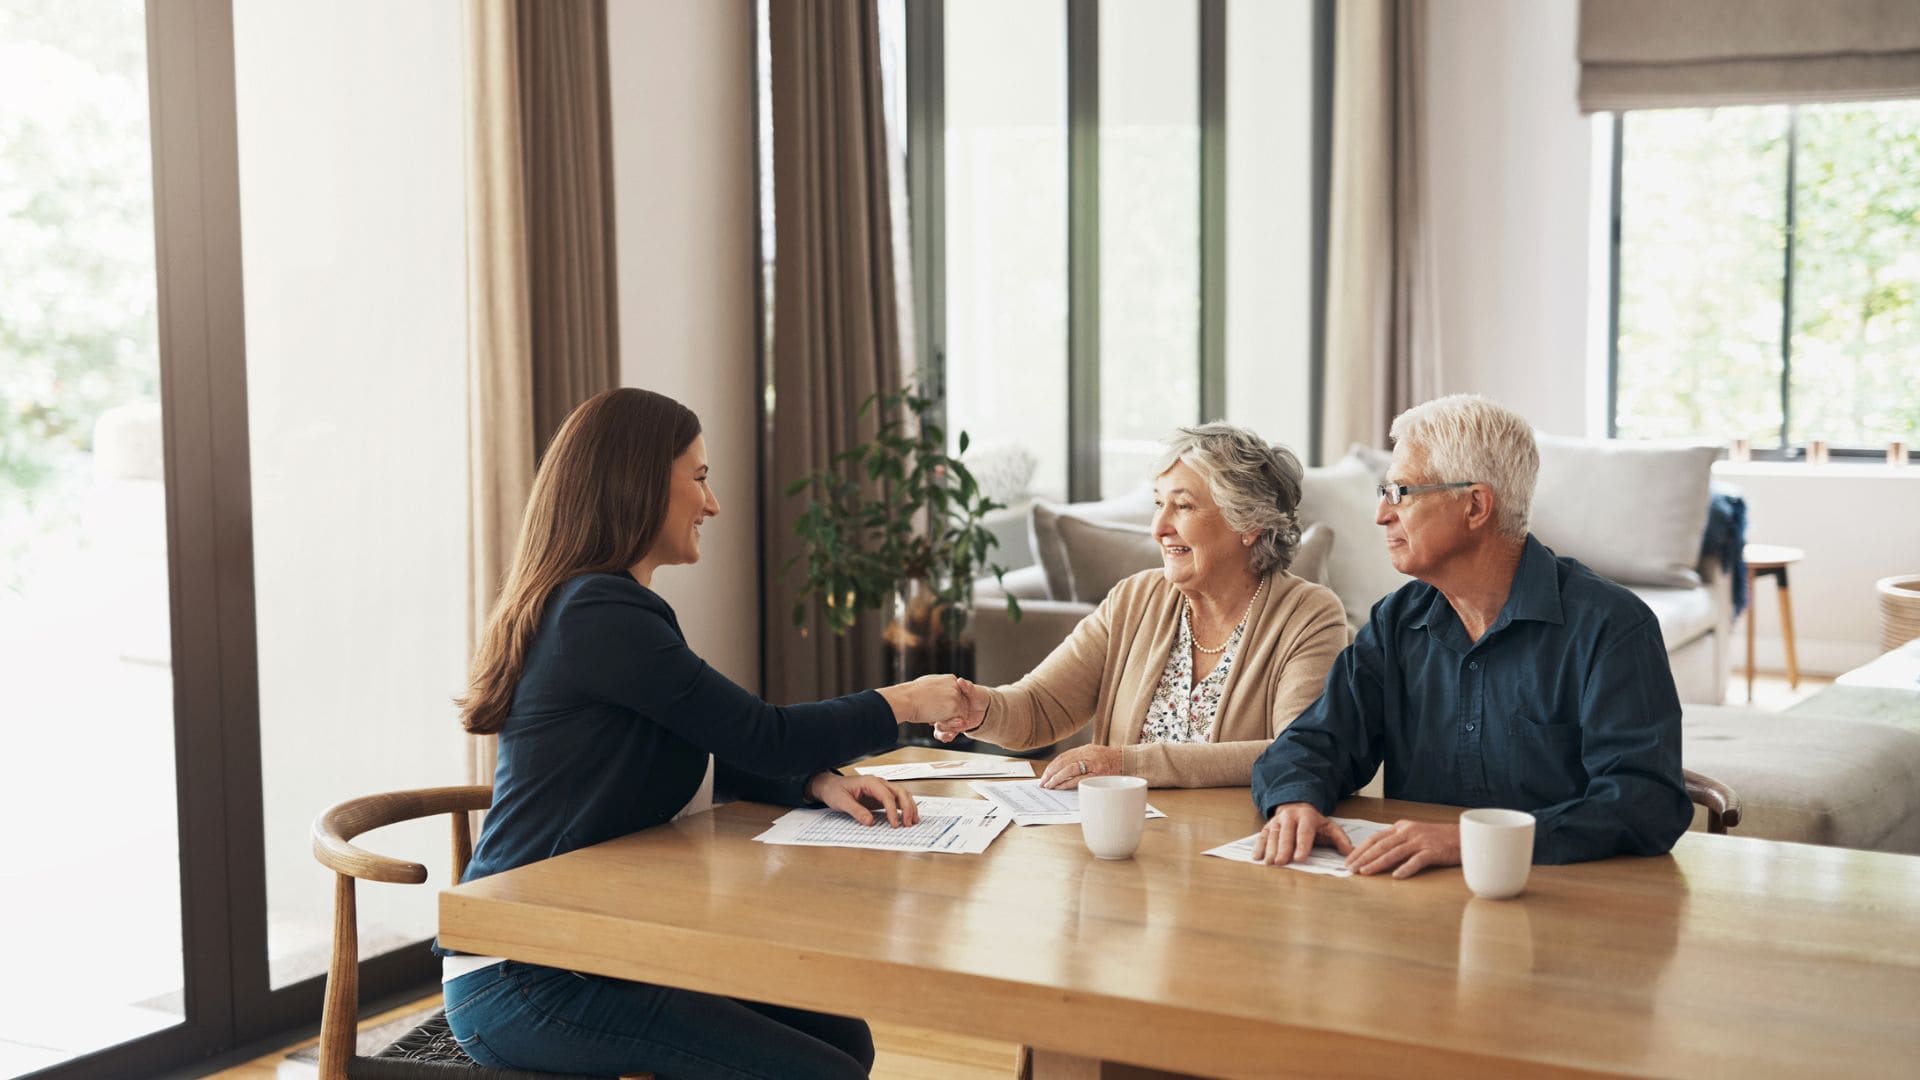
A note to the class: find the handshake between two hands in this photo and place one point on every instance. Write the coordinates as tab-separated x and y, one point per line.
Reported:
949	703
955	706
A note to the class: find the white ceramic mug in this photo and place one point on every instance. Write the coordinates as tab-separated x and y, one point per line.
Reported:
1113	813
1496	851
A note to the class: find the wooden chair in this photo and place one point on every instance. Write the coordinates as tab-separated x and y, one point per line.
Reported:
428	1052
1721	801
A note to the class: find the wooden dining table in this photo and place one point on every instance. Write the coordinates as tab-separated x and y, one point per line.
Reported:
1729	957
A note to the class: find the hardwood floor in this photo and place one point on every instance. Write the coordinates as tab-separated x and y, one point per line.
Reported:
1772	691
903	1053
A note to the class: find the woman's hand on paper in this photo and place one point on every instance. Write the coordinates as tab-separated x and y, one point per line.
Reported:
1077	764
866	799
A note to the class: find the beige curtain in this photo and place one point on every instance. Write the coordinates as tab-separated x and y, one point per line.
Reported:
540	313
836	336
499	325
1383	344
567	161
1663	54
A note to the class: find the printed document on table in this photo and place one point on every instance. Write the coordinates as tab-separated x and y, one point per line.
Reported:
1031	804
950	826
949	769
1323	860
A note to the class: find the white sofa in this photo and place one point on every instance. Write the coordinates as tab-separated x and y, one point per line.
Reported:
1634	512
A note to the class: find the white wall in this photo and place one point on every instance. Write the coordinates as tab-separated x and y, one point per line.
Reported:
1857	524
1509	168
682	86
1517	180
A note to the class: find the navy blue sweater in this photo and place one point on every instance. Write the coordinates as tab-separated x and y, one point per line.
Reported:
613	719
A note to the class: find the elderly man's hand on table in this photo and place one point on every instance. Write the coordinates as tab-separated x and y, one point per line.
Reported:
1406	848
1291	831
1077	764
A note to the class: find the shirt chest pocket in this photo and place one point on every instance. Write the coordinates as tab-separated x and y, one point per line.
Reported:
1539	760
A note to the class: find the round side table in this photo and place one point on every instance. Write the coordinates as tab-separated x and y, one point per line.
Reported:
1772	560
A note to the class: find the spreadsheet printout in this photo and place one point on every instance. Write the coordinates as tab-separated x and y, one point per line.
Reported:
1323	860
948	769
949	826
1031	804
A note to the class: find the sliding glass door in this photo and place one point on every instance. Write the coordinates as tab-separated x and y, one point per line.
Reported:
85	643
232	553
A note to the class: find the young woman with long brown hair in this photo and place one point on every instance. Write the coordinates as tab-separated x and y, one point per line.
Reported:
610	724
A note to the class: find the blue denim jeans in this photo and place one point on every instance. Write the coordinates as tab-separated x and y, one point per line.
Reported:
522	1016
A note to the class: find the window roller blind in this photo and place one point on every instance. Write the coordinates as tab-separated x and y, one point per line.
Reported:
1658	54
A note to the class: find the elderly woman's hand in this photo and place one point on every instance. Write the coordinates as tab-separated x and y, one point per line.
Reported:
973	710
1080	762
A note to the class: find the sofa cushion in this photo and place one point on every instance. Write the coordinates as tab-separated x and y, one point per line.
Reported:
1135	507
1100	553
1358	570
1310	558
1634	512
1812	779
1684	614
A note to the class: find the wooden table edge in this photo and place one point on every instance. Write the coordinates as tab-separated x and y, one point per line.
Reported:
1121	1029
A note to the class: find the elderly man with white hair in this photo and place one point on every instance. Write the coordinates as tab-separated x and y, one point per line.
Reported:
1503	676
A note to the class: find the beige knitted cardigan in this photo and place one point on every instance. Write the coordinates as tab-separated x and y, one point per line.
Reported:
1106	671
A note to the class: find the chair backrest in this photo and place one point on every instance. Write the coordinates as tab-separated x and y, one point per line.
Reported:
333	834
1721	801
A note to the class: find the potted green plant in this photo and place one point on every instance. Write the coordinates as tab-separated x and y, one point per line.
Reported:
895	525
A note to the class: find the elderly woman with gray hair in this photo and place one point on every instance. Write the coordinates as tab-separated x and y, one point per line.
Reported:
1186	672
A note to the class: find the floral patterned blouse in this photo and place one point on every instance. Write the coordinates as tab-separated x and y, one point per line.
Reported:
1180	711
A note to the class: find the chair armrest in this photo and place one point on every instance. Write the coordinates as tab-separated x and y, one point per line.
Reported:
1721	801
335	828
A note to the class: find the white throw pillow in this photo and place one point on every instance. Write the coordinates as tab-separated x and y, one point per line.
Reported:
1310	557
1358	570
1634	512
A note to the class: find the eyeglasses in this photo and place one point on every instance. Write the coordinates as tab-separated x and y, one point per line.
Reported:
1395	494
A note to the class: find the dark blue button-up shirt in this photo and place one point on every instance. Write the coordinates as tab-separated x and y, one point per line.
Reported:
1565	707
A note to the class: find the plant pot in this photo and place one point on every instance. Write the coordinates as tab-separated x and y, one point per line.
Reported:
1899	610
923	636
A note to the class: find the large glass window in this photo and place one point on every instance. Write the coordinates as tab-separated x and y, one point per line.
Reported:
1769	274
356	397
1121	239
1149	231
85	653
1006	230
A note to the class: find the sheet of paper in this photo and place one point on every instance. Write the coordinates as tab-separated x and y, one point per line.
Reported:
949	769
1323	860
1031	804
949	826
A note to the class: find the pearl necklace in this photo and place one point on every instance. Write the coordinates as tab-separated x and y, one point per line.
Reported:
1222	647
